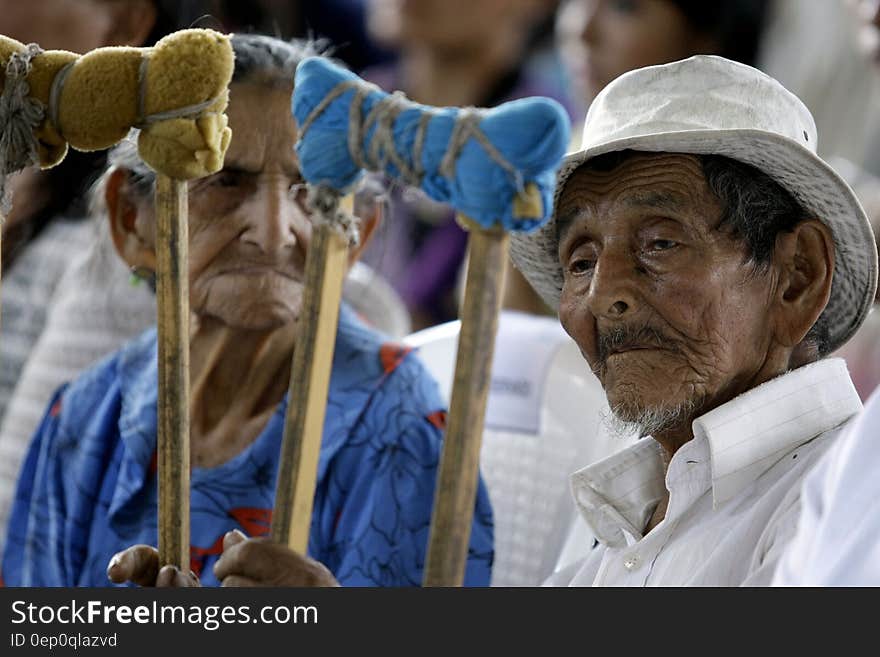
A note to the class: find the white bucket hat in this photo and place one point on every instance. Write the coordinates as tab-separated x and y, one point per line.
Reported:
711	105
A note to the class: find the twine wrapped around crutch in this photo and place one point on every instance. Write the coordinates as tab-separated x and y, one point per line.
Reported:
176	92
497	169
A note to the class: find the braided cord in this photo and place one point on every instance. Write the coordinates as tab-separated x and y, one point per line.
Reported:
382	149
19	117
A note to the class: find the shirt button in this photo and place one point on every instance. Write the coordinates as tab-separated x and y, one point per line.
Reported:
631	562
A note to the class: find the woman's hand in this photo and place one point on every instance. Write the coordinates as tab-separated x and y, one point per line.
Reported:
140	564
259	562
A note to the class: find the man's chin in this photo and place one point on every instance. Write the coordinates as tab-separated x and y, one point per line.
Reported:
633	413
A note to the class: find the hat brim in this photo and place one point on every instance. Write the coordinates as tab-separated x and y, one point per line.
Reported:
815	185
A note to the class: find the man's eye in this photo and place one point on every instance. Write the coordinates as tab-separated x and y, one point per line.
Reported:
662	245
581	266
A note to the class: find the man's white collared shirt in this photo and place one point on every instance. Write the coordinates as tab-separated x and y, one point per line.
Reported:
734	488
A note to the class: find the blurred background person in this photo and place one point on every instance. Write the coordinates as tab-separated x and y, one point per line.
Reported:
811	46
449	52
600	40
862	352
815	49
46	227
838	528
339	23
343	24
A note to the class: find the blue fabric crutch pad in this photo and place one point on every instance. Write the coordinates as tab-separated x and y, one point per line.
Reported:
531	136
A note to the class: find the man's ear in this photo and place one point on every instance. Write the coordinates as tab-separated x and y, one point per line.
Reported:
371	215
133	20
804	258
126	224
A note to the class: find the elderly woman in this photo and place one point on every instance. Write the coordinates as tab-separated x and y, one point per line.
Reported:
88	488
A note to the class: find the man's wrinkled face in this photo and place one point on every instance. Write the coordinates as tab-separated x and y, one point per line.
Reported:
661	300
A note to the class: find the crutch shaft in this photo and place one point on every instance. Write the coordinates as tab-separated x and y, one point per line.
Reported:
326	264
459	462
172	300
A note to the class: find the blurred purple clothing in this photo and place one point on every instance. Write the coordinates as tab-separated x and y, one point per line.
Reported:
420	249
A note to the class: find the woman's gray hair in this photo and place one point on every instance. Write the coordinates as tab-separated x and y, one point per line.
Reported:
260	59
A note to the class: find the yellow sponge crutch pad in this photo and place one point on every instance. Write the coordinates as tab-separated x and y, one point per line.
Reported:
176	92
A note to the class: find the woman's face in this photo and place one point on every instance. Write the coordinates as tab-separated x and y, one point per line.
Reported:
248	228
602	39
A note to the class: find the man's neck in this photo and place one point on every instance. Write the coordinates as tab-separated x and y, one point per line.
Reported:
671	439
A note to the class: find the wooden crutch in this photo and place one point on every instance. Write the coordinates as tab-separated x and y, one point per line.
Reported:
459	463
326	264
176	92
348	125
172	412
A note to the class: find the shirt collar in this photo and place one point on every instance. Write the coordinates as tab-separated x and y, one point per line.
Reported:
745	437
752	432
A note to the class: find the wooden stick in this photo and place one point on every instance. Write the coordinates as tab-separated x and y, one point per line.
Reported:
172	300
326	264
459	463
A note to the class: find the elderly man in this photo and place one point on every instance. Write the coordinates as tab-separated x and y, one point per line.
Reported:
705	260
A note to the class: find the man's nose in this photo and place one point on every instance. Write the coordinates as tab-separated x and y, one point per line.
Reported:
275	221
613	287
